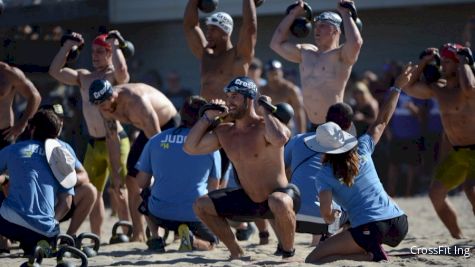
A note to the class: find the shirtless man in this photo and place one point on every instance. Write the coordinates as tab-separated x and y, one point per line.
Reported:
106	150
326	66
255	146
282	90
147	109
220	60
12	81
455	93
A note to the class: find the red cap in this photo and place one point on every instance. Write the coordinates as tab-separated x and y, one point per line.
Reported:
101	41
449	50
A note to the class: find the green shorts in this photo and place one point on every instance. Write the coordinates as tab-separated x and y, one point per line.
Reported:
456	168
97	165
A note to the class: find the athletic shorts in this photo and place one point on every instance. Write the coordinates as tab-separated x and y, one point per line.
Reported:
3	142
97	164
198	229
139	144
370	236
27	238
235	204
457	167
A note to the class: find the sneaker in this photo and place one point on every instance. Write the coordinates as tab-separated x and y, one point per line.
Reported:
156	245
185	238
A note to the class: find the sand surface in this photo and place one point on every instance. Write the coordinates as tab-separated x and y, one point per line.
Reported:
426	231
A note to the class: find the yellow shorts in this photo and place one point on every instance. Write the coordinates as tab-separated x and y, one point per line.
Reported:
456	168
97	165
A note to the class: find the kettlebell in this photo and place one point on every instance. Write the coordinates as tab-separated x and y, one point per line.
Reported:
301	26
127	47
35	259
121	237
88	250
282	111
354	15
73	54
258	3
208	6
60	262
68	240
149	235
431	71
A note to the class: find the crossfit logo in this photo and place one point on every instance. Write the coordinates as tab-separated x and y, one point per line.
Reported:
101	93
249	85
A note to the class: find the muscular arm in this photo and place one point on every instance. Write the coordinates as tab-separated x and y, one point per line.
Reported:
113	149
466	77
63	205
415	87
59	72
248	31
121	73
353	41
199	141
280	40
276	133
296	101
193	33
26	89
143	179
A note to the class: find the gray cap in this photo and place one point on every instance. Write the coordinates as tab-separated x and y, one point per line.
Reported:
329	17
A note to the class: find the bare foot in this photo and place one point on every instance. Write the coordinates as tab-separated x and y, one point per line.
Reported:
138	238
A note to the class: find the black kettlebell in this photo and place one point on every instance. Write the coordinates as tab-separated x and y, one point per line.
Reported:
121	237
258	3
88	250
354	15
35	259
149	235
431	71
282	111
208	6
301	26
63	240
73	54
60	262
127	47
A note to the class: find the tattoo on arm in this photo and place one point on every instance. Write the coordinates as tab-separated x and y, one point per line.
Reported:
111	126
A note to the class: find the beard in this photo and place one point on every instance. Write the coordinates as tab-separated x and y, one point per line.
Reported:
239	112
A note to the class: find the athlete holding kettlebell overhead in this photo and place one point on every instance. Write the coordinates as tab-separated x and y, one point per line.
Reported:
106	150
326	65
221	61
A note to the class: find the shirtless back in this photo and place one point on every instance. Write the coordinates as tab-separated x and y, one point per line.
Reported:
220	60
326	66
140	105
12	81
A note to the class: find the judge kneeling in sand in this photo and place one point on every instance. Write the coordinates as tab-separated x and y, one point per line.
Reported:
348	175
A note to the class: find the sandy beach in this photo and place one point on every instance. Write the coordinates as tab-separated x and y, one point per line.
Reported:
426	235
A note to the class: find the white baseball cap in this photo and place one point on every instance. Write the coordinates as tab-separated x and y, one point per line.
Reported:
331	139
61	163
222	20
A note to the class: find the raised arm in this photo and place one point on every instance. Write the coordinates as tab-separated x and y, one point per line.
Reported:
194	35
465	72
27	90
58	71
377	128
353	40
415	87
280	40
121	73
276	133
248	31
201	141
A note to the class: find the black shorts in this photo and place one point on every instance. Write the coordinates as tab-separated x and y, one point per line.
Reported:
27	238
3	142
139	144
198	229
70	213
370	236
235	204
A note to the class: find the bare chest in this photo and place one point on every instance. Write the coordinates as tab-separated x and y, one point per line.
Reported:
279	93
243	145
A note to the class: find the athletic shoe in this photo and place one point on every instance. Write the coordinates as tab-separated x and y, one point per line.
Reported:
185	238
